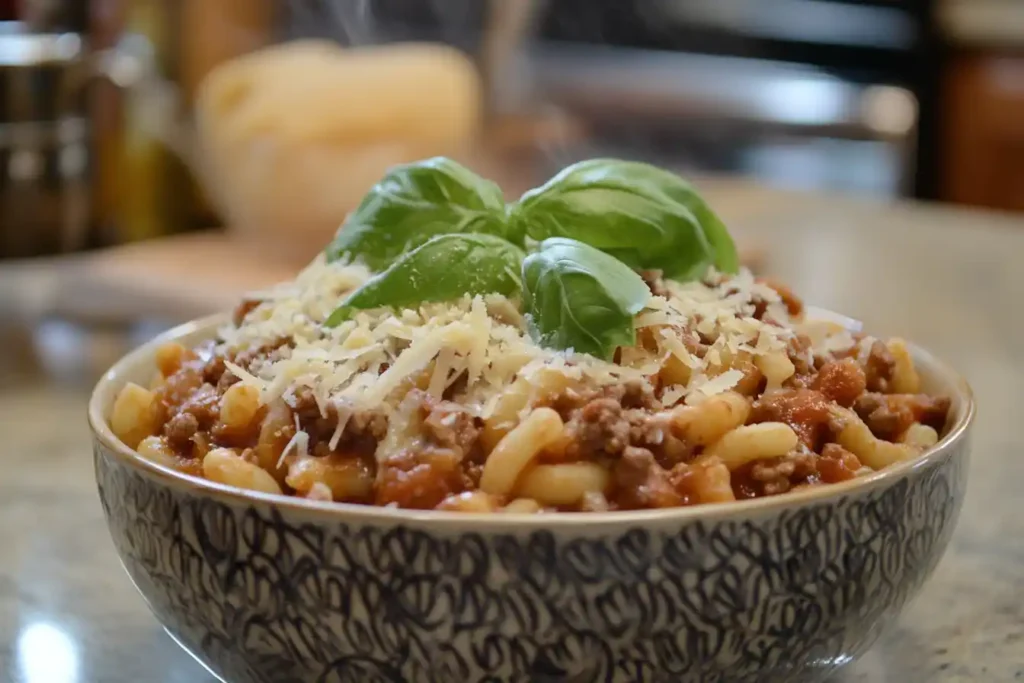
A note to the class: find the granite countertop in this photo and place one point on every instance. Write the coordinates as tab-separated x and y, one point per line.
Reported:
948	279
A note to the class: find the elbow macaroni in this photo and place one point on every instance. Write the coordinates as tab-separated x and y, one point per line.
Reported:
239	405
776	368
532	455
224	466
135	415
276	431
709	421
345	478
711	481
856	437
919	435
469	501
156	449
753	442
522	506
564	484
170	357
905	379
517	449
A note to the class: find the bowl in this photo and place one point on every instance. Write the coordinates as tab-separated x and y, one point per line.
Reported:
267	589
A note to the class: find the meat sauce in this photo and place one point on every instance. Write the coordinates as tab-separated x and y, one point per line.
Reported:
624	428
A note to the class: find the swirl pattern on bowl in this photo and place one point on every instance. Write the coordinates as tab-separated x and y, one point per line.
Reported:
264	593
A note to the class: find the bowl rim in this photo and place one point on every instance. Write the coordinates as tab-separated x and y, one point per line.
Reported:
354	512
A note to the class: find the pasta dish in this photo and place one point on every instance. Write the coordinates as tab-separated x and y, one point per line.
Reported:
594	346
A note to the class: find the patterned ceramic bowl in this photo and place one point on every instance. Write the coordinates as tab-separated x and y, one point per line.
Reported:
268	589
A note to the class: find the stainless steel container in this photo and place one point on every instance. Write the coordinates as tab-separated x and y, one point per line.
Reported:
43	141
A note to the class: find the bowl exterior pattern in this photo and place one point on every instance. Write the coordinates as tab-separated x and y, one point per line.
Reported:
268	594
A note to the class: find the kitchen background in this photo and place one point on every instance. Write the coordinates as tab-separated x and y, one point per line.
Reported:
805	123
112	219
883	97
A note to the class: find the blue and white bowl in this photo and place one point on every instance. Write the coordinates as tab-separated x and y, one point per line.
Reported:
265	589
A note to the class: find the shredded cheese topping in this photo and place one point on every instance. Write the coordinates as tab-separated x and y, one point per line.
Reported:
479	347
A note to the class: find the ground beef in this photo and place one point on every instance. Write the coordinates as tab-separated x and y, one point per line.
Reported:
753	381
780	476
794	306
929	410
805	410
774	476
451	426
272	350
472	470
568	403
760	307
633	395
179	431
672	450
215	373
226	381
362	431
419	480
303	401
889	415
841	381
883	422
371	424
798	349
638	482
204	405
177	388
878	367
837	464
600	428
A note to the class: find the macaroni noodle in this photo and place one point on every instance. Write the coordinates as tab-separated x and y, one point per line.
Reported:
517	449
753	442
135	415
225	467
723	397
555	485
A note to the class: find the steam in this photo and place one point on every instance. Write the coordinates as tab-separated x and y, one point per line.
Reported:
493	33
369	22
349	21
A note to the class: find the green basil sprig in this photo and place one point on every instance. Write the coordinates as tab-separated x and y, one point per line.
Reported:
646	217
435	232
415	202
578	297
444	268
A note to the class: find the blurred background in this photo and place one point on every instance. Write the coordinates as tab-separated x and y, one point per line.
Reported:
132	196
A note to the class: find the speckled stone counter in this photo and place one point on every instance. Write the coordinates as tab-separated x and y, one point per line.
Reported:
950	280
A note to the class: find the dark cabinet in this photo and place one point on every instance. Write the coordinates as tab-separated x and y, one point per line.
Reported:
983	132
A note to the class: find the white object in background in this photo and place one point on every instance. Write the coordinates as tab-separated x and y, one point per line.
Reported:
292	137
990	23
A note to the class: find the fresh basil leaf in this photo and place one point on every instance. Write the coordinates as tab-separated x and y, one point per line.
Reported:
444	268
645	216
415	202
726	258
581	298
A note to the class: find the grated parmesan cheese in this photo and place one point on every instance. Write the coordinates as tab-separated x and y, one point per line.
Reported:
299	443
371	360
344	415
672	395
